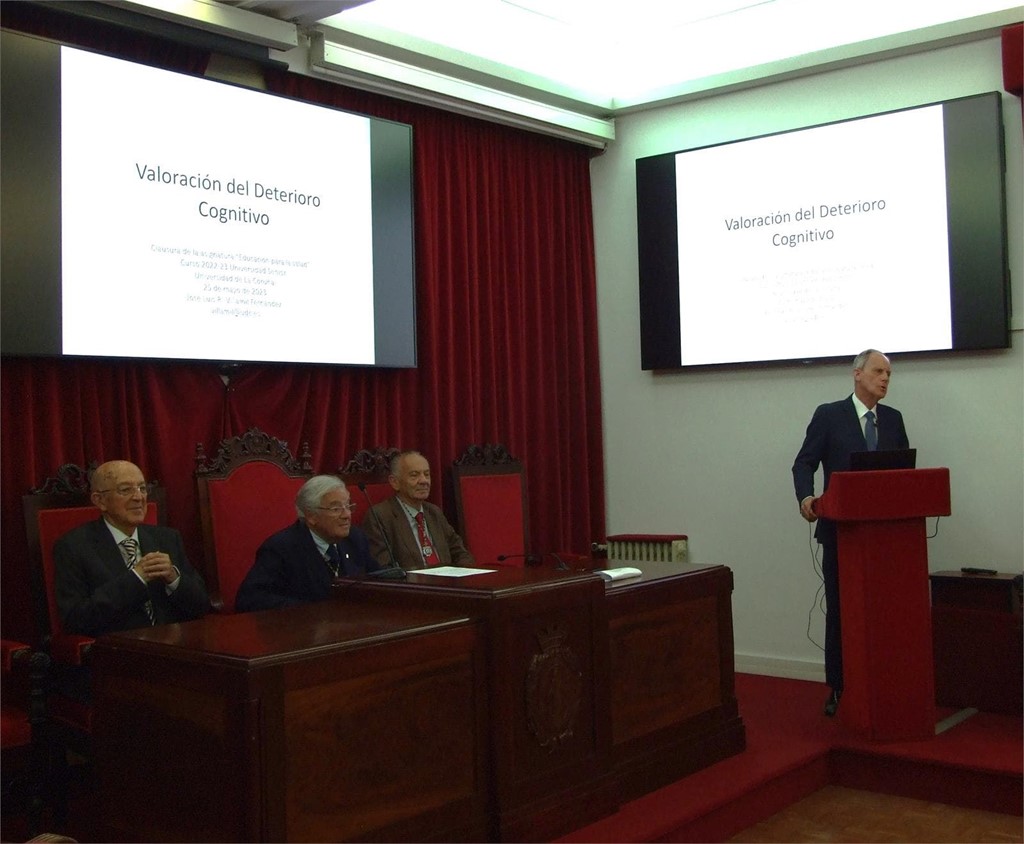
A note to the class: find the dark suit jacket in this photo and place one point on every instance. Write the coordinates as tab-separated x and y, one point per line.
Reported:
833	434
449	545
290	569
97	593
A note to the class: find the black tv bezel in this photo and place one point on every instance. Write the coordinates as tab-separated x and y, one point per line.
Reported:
30	268
979	265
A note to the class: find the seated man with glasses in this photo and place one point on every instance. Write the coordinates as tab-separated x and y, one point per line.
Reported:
116	573
298	564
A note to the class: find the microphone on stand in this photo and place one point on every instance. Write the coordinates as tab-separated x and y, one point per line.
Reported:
393	571
536	559
561	566
530	559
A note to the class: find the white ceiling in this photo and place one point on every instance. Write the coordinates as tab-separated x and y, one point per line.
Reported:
578	63
621	53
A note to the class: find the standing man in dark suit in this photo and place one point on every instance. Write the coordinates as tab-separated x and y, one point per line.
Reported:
116	573
836	430
415	530
297	565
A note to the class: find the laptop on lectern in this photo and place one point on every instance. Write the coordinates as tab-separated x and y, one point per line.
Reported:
873	461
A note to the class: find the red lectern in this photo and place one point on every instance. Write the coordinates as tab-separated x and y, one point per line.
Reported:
888	667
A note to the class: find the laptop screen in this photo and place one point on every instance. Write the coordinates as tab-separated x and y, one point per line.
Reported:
898	458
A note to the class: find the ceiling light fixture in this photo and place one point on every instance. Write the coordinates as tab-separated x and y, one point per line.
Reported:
395	78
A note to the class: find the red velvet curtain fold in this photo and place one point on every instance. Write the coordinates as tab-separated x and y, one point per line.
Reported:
507	345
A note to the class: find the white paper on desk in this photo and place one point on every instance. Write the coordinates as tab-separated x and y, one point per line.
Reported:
619	573
453	571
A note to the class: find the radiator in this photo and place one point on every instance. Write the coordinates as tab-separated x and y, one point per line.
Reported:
649	548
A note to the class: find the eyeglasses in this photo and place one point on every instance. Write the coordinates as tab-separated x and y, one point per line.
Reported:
336	509
128	490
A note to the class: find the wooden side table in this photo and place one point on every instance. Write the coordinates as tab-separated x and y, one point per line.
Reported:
977	634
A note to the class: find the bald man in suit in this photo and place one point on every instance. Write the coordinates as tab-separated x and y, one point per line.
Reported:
99	589
836	430
117	573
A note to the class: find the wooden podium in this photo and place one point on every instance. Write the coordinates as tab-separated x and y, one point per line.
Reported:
888	668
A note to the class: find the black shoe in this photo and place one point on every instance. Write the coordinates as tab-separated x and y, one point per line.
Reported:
832	704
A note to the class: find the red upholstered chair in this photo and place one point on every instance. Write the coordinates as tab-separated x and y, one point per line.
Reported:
490	501
246	493
15	727
371	469
23	747
61	503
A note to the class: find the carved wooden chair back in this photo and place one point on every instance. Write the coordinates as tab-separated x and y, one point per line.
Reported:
246	493
491	504
366	476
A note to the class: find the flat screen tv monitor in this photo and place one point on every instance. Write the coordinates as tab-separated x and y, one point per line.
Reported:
152	214
887	231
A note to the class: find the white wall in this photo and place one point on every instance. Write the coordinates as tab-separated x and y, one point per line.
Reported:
711	452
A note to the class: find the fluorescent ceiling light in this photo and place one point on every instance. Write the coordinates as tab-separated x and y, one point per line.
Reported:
643	15
629	51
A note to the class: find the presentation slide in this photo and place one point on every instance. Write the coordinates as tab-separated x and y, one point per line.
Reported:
236	217
815	242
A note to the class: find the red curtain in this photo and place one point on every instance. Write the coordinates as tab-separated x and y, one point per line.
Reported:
1013	59
507	347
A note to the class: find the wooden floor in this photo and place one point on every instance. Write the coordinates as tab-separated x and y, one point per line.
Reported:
833	814
847	815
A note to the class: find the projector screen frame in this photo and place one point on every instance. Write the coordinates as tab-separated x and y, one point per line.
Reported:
980	309
31	265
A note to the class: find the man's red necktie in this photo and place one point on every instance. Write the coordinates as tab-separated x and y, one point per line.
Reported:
430	557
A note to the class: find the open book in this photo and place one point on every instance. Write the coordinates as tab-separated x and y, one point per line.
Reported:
619	573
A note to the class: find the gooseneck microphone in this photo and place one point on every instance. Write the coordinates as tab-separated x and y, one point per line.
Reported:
530	559
536	559
561	566
393	571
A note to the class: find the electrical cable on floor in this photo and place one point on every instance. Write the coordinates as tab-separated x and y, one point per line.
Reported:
819	596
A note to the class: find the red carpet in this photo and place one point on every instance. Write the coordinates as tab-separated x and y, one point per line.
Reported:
793	750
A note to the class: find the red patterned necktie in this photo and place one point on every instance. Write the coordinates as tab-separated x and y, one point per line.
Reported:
426	548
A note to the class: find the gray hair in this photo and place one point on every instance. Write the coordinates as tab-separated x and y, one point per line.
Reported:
861	360
396	461
313	491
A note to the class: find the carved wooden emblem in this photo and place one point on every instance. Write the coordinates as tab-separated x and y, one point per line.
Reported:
554	689
486	455
71	479
254	444
367	462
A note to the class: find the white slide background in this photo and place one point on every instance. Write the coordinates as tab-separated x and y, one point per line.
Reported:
881	275
148	273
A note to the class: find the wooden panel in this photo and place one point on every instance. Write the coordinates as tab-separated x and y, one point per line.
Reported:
976	634
153	723
673	699
547	680
967	590
665	665
373	752
317	723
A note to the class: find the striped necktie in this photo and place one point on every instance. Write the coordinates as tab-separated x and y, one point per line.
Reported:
130	552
